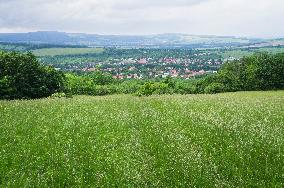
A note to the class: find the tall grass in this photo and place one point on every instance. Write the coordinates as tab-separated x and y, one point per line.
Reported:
224	140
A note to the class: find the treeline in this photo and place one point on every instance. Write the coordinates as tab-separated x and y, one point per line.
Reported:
261	71
22	76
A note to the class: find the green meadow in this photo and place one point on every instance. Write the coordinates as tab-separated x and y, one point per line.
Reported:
66	51
239	53
222	140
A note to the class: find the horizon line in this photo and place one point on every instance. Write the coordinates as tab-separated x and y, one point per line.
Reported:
166	33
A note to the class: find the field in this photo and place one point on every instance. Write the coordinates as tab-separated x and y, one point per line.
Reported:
223	140
236	54
66	51
247	52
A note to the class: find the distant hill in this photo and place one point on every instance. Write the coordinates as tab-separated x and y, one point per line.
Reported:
154	41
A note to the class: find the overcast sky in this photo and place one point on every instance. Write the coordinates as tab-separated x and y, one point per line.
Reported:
256	18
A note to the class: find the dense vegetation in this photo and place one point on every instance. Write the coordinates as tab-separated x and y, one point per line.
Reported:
261	71
66	51
22	76
223	140
126	61
24	47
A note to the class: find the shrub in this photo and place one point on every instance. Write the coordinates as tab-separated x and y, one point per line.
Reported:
104	90
214	88
147	89
129	87
185	87
150	88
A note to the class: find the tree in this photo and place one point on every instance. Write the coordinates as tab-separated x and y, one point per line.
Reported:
262	71
229	76
22	76
101	78
214	88
169	81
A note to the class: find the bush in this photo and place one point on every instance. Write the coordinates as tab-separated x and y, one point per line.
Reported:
79	85
129	87
214	88
185	87
147	89
150	88
101	78
104	90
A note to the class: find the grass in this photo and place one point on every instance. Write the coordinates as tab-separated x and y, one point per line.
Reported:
236	54
241	53
66	51
224	140
272	50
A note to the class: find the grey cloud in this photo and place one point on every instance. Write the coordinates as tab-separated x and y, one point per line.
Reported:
220	17
138	4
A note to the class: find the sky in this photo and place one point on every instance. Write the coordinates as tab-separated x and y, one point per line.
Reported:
250	18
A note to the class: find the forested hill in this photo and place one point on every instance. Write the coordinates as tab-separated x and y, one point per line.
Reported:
160	40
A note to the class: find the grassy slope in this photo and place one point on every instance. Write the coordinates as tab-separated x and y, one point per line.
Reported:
232	139
241	53
66	51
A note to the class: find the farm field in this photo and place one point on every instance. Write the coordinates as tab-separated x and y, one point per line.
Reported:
66	51
222	140
237	53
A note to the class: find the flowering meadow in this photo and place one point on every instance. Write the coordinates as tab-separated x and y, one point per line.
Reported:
222	140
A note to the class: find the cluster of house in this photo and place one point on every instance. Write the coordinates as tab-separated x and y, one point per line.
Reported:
131	68
165	61
161	74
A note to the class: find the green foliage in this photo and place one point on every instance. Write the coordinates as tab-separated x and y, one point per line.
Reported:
185	87
101	78
169	81
66	51
150	88
229	76
101	90
88	84
129	86
214	88
261	71
6	87
79	85
147	89
21	76
222	140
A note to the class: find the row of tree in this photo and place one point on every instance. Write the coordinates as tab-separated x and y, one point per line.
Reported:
22	76
261	71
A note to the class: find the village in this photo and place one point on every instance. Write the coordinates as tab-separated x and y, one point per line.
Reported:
141	68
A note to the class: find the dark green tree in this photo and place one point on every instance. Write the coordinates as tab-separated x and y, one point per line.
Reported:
22	76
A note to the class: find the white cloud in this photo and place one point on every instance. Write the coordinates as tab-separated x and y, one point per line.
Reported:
220	17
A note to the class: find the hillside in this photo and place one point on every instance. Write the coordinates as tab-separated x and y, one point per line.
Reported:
224	140
153	41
